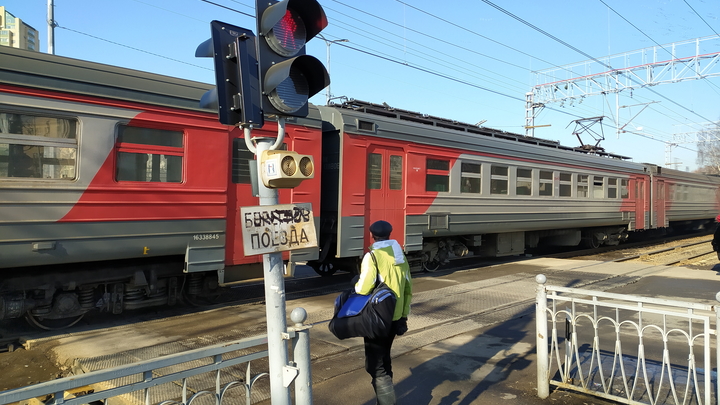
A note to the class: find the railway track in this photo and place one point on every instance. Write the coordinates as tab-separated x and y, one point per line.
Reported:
685	254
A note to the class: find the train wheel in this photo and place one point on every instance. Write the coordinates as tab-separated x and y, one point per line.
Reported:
592	242
431	266
324	269
52	324
197	300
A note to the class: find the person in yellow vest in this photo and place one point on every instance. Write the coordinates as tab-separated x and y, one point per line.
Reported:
385	262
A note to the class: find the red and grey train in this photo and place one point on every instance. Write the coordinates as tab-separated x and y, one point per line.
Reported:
118	192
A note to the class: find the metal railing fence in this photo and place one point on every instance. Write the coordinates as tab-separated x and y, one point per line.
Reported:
211	375
625	348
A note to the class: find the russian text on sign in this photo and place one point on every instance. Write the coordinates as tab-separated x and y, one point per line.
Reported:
277	228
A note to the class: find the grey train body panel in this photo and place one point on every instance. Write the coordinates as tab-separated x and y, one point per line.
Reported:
35	244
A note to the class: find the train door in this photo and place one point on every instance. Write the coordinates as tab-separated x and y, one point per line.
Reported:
659	202
385	194
239	194
641	209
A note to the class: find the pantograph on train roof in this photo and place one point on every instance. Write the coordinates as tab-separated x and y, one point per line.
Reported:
385	110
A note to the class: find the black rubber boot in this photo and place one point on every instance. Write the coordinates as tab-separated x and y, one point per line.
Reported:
384	390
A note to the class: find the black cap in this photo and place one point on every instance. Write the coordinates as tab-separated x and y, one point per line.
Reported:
381	229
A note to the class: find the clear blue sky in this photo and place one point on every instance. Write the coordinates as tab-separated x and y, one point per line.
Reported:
483	58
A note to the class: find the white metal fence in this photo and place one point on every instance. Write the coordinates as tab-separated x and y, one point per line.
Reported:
213	375
625	348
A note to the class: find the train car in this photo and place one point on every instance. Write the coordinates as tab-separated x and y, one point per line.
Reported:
453	189
118	192
679	199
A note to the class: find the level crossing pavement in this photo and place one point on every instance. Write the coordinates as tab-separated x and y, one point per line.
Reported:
471	337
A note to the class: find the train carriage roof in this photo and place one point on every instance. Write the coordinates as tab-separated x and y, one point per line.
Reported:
57	73
362	118
50	72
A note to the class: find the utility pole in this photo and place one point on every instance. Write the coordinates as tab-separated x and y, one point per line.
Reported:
328	94
51	26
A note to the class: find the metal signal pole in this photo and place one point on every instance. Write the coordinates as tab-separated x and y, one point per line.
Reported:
275	312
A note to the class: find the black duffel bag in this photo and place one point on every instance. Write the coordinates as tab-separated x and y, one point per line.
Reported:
364	315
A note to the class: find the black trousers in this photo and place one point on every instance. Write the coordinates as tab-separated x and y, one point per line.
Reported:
377	356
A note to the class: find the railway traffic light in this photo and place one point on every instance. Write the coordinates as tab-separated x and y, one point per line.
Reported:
237	95
285	169
289	77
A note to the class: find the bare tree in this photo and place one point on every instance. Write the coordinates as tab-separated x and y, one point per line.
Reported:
708	157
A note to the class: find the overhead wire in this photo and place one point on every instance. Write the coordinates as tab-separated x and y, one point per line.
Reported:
582	52
423	55
426	35
228	8
458	26
648	36
133	48
703	20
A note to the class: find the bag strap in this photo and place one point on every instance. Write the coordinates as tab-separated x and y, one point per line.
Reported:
377	269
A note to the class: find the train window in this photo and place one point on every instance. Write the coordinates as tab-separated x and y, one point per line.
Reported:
149	154
565	185
438	183
396	172
612	188
33	146
241	160
546	183
438	176
374	174
582	185
470	178
523	184
598	187
436	164
624	188
366	125
498	179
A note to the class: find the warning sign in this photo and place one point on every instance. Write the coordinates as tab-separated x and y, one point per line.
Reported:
277	228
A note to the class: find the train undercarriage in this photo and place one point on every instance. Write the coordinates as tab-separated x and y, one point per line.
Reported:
56	297
438	251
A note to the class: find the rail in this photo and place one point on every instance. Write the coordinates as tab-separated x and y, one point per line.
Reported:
625	348
219	373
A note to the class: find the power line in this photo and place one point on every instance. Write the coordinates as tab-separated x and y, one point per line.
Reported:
477	34
228	8
547	34
583	53
648	37
363	33
425	34
130	47
703	20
